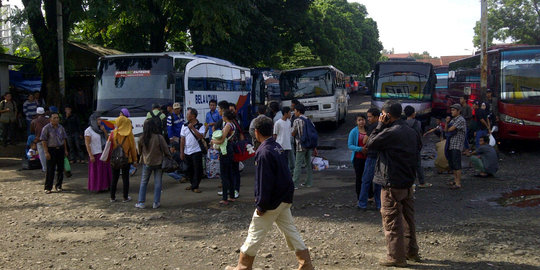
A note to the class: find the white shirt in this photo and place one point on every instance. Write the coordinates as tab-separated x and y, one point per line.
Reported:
278	116
283	131
192	145
95	141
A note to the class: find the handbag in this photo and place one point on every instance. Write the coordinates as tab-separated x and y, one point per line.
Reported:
106	152
240	150
169	165
202	143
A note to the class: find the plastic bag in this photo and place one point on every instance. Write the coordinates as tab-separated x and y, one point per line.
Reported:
319	163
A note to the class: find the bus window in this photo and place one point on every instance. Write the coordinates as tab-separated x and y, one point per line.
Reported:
196	78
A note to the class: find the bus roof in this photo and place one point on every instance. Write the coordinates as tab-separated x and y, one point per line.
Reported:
403	63
174	54
493	49
310	68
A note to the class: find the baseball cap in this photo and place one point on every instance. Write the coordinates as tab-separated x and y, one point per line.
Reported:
176	105
456	106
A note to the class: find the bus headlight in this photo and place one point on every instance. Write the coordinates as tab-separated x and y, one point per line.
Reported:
510	119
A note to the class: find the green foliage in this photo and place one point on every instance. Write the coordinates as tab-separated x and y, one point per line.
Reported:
517	20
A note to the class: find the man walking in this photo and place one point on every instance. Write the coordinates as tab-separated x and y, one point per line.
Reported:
190	151
282	134
455	135
303	154
369	190
53	138
274	191
174	123
398	146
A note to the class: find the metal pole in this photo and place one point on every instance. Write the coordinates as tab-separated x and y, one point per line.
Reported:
483	44
60	34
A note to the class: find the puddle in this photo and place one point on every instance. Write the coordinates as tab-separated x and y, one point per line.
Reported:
521	198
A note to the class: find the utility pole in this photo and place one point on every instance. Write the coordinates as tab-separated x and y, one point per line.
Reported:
60	35
483	45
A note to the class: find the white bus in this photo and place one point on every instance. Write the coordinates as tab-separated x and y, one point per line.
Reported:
321	89
136	81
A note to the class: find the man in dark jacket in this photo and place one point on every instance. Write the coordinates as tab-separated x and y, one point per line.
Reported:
274	191
398	146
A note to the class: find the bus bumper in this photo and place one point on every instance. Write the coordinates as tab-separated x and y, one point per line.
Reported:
322	116
518	132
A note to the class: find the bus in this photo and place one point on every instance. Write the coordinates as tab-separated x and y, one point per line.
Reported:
514	79
406	81
439	106
136	81
321	89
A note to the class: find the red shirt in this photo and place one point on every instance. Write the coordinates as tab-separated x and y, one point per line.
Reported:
360	155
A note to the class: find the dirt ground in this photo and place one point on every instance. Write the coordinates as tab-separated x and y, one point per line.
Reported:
77	229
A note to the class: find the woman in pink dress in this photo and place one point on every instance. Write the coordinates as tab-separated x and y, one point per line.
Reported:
99	172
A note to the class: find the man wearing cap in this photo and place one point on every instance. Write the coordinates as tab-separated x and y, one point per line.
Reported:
175	122
36	126
455	130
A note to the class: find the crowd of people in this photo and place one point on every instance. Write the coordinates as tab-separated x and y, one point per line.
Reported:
385	154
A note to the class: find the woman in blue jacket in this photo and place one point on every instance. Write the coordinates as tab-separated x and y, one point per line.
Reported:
357	140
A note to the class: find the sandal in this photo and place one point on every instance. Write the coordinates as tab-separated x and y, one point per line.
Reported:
231	200
425	185
223	202
47	192
455	187
188	188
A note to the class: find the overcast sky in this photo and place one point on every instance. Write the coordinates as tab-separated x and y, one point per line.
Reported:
440	27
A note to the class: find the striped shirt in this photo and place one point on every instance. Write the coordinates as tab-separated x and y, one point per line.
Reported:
298	126
29	109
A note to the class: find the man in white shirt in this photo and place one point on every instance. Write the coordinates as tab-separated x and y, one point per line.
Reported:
190	151
282	134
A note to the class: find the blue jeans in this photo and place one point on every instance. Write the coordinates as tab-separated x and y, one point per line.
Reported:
480	133
177	176
147	170
367	182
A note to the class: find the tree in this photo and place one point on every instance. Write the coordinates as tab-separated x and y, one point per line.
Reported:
41	17
517	20
23	43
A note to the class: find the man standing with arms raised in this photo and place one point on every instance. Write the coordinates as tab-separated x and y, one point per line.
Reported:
398	146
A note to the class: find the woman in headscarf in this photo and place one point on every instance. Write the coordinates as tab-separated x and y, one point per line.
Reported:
123	136
99	172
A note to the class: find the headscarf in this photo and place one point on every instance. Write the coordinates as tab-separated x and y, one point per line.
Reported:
93	121
123	126
125	112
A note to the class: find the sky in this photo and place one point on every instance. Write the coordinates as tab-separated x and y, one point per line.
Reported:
440	27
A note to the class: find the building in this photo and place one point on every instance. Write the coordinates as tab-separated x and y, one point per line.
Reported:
5	27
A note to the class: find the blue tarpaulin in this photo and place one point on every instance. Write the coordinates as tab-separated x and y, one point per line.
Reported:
17	80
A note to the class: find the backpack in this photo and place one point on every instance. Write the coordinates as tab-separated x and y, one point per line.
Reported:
118	157
309	138
162	124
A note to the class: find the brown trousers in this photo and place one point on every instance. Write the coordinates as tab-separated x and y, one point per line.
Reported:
397	210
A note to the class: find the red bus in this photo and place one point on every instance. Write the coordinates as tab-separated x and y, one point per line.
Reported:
514	78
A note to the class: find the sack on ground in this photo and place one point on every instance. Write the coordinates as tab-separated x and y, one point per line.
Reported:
319	163
212	163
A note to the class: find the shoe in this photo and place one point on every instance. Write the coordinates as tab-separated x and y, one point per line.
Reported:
414	258
223	202
295	187
183	180
112	200
139	205
128	199
388	263
47	192
188	188
236	194
425	185
196	190
59	190
156	205
304	260
245	262
220	193
231	200
305	185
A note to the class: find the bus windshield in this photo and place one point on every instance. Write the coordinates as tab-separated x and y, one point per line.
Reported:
306	84
134	83
520	76
402	81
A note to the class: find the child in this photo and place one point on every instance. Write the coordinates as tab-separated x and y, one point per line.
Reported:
32	153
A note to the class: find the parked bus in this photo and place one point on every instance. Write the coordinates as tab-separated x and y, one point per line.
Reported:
408	82
439	106
514	78
136	81
321	89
